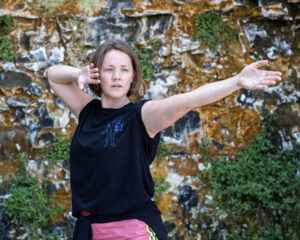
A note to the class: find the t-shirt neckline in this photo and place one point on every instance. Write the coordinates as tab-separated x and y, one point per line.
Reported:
114	109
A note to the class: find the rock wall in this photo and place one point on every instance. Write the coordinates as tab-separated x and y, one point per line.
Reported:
46	33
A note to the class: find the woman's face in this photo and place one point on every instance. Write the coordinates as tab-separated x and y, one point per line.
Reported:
116	74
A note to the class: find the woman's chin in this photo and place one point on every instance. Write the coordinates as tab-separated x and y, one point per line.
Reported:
116	95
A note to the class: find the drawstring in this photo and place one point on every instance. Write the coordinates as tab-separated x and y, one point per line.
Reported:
83	229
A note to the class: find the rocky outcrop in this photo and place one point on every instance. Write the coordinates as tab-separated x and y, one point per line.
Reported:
46	33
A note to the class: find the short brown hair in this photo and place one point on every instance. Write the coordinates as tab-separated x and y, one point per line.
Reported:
122	46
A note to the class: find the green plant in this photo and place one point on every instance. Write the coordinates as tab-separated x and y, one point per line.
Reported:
213	31
162	151
59	149
30	207
5	23
21	157
205	151
145	56
161	186
261	185
6	48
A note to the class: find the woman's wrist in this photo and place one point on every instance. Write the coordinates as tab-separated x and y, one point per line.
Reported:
235	83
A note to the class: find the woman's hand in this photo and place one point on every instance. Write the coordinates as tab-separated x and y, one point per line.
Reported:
253	78
88	75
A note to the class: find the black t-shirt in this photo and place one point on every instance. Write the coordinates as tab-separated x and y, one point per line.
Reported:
110	156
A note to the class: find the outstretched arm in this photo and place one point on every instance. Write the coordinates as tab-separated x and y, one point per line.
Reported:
160	114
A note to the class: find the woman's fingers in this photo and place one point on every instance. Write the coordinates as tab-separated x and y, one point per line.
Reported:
266	82
261	87
94	70
273	73
259	63
94	81
88	75
89	81
94	75
263	84
272	78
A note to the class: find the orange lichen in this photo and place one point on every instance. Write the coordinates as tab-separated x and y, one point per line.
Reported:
238	125
9	169
62	194
8	122
164	202
159	170
71	127
188	167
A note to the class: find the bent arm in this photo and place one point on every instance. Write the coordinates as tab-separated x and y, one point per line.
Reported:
63	74
64	82
160	114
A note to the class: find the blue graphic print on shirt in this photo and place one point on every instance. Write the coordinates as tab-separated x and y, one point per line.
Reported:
111	129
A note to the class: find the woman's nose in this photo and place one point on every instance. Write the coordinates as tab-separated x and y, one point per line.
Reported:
116	74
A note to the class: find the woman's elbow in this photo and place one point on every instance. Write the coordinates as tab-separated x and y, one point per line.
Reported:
50	73
53	72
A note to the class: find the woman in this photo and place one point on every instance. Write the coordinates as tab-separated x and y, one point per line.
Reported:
116	140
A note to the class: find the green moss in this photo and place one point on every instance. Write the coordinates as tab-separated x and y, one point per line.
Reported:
213	31
6	48
161	186
146	56
162	151
262	185
46	7
5	23
21	157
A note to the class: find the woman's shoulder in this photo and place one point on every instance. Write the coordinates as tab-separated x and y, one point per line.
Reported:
141	102
90	105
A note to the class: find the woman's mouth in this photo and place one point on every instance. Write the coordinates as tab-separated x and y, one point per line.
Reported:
116	86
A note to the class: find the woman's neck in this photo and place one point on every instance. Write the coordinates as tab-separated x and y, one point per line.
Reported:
113	103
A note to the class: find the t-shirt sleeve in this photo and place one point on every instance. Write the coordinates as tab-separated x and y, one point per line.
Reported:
151	143
86	109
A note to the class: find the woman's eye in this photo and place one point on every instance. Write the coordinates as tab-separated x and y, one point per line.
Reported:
108	69
124	70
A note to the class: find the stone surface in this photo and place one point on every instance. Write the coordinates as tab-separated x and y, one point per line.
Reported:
12	79
47	33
